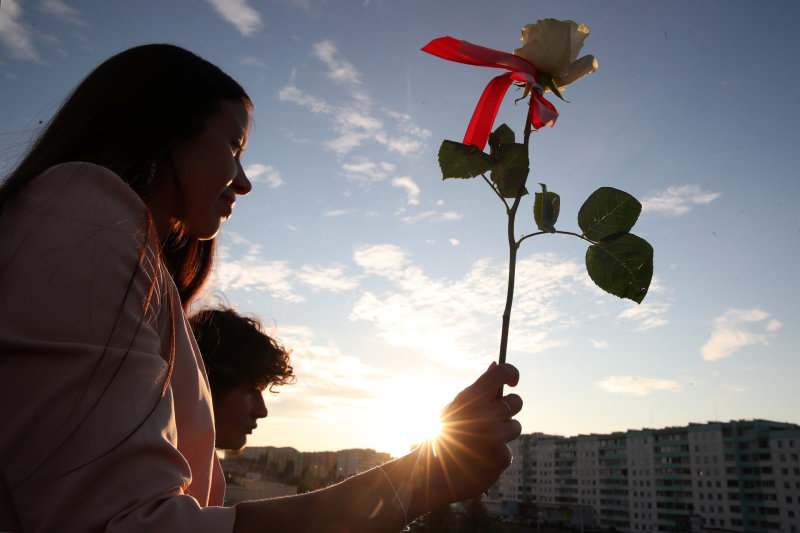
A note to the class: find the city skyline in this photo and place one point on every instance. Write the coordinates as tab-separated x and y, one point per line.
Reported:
388	283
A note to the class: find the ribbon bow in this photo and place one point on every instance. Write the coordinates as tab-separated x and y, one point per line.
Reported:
540	113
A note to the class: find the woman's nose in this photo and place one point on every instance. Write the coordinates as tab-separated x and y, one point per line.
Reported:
241	183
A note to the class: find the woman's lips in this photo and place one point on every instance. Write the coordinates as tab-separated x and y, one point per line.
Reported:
229	200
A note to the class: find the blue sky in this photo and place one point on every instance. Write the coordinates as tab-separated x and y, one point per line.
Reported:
388	283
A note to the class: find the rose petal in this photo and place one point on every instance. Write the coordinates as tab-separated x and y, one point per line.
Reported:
580	68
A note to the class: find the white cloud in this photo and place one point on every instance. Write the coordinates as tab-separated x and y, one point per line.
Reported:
339	70
253	61
433	216
364	171
59	9
251	273
733	330
264	174
412	189
381	259
290	93
454	242
406	124
678	200
637	386
331	278
336	212
649	314
346	142
243	17
241	266
453	321
354	121
15	36
599	344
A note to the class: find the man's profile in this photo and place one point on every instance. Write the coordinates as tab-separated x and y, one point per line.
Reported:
241	361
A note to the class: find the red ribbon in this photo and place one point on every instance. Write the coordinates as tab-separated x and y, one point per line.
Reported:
541	112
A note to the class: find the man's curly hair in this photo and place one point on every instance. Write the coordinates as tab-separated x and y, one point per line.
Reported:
236	349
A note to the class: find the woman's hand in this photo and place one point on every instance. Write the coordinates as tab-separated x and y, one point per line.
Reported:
470	452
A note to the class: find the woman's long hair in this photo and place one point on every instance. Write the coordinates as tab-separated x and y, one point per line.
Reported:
126	115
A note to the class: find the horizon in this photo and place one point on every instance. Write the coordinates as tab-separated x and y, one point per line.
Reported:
388	283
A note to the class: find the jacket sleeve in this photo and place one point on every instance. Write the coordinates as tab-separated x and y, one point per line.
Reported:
89	439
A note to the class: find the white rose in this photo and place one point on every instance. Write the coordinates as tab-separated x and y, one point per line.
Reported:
553	46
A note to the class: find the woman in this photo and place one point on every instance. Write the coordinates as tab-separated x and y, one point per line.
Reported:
106	233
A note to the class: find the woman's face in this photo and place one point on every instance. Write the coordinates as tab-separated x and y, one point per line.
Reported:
209	171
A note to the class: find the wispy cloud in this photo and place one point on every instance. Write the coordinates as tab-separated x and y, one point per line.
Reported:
253	61
451	320
62	11
433	216
249	271
243	17
353	120
264	174
339	70
332	387
678	199
336	212
411	188
364	171
734	330
242	266
649	315
600	345
446	319
453	242
252	273
15	36
636	385
330	278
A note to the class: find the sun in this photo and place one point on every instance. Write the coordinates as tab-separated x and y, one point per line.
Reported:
408	420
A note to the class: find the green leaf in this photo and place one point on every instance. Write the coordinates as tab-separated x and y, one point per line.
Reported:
511	169
549	84
462	160
553	86
545	211
622	266
608	212
501	136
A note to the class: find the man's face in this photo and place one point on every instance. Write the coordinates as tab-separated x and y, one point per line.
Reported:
236	415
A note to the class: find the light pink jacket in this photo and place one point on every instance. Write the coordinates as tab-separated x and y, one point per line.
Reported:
95	435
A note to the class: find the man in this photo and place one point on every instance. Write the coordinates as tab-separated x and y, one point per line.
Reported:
241	361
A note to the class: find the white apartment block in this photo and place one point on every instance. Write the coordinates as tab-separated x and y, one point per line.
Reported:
738	476
354	461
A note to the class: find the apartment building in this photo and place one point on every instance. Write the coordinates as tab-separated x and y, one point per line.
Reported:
288	462
741	476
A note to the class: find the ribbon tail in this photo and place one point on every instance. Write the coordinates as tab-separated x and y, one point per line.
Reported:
485	112
480	56
541	112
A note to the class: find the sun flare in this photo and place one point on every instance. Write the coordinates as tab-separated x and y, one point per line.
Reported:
409	422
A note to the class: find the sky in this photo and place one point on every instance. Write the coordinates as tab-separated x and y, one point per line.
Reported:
388	283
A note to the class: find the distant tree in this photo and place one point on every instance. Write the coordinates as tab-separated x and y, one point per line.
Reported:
442	520
475	519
